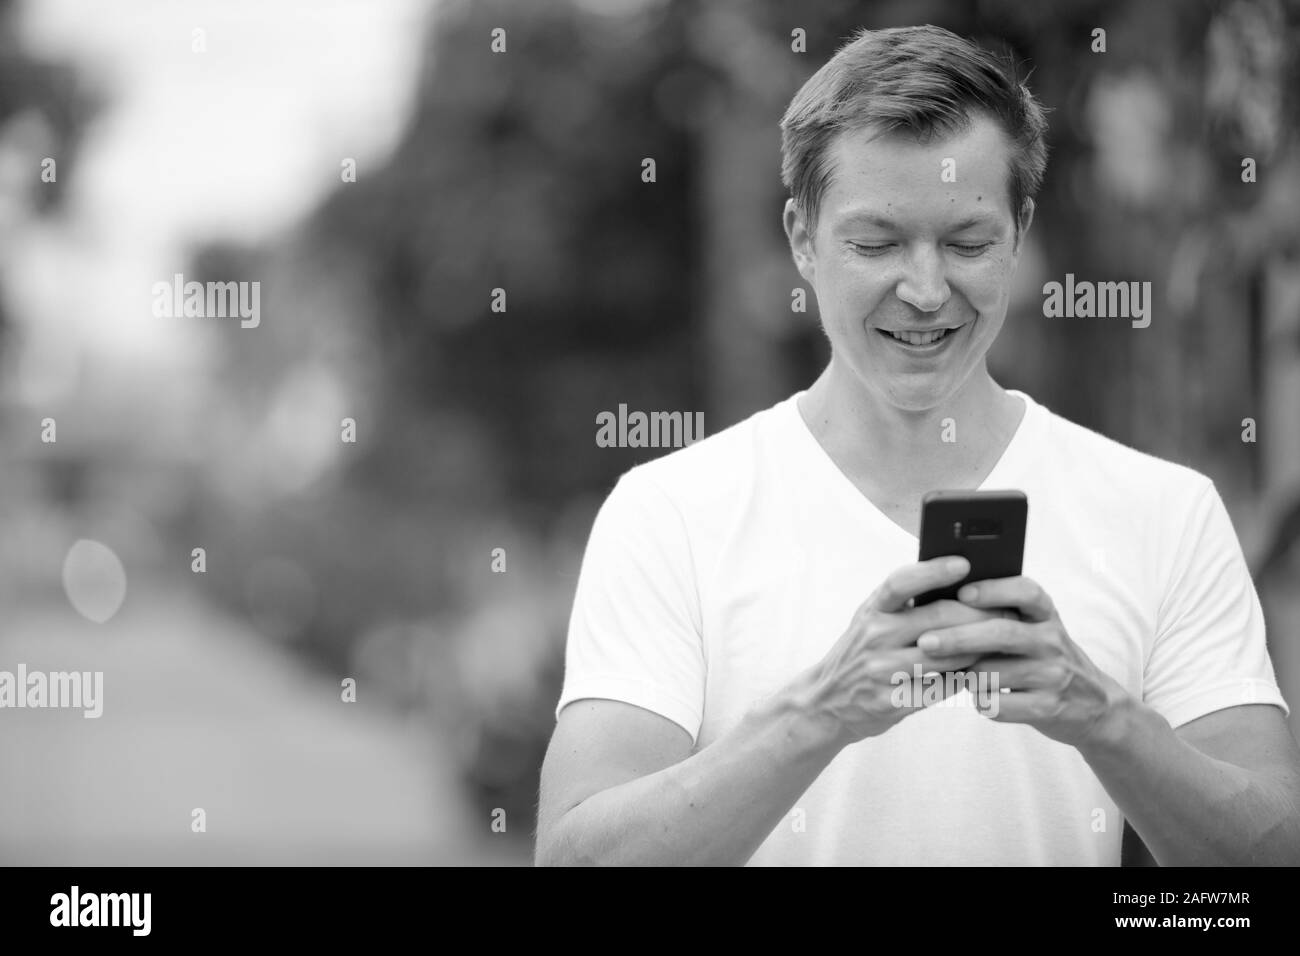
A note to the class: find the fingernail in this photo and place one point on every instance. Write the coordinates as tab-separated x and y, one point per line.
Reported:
969	593
927	642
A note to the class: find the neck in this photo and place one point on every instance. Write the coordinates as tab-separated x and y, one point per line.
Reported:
954	443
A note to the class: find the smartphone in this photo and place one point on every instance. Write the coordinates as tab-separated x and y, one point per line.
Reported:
987	528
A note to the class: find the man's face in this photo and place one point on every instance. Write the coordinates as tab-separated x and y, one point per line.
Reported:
912	273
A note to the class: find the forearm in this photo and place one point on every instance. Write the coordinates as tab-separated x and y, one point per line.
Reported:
715	807
1189	808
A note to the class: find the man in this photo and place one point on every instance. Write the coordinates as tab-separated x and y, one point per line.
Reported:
743	613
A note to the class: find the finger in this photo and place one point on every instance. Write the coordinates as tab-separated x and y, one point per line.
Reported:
1023	673
980	685
1019	707
913	657
910	623
912	579
1022	593
944	613
909	663
914	693
997	636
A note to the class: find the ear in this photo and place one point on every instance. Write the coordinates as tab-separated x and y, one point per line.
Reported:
1022	223
801	241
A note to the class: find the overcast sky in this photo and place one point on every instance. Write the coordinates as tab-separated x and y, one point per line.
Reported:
236	142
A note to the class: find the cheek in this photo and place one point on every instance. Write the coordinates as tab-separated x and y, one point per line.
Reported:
860	281
988	287
849	292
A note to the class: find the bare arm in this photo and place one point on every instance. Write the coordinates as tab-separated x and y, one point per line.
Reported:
1221	790
663	805
621	786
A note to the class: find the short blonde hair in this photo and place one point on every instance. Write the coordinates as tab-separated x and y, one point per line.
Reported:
924	81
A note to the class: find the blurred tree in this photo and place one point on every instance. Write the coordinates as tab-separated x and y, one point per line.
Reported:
46	106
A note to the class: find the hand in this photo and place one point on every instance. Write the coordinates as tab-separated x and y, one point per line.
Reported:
855	687
1041	676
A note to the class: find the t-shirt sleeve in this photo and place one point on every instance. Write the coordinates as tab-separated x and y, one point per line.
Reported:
1209	650
635	632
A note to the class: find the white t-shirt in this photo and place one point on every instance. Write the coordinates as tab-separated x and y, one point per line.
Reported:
716	573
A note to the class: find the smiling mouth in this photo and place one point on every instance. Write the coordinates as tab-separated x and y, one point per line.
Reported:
929	337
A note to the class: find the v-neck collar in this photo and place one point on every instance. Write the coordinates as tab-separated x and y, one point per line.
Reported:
1019	451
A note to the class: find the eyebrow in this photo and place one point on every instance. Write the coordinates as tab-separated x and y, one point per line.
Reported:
884	222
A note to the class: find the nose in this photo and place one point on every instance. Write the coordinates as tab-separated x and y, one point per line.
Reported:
923	285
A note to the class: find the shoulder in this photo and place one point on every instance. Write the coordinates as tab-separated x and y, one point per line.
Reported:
1098	466
717	468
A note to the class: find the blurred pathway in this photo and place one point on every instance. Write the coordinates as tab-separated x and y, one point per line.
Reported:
199	712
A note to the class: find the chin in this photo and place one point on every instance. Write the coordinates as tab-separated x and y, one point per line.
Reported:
915	393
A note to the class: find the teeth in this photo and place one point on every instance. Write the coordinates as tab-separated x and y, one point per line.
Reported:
920	338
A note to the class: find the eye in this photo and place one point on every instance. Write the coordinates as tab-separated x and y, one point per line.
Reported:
871	249
971	250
